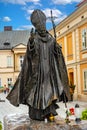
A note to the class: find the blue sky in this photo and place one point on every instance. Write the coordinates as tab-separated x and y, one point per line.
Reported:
16	13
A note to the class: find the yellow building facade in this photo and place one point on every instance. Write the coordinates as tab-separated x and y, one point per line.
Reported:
72	36
12	51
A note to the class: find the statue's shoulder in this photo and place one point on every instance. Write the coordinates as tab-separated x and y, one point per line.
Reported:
50	37
58	46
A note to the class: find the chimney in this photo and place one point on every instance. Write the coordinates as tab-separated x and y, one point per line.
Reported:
7	28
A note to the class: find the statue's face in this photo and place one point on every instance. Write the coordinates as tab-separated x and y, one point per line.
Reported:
41	28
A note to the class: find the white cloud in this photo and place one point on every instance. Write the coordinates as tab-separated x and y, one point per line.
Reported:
64	2
55	12
29	11
57	15
58	20
22	2
76	0
6	19
47	12
25	27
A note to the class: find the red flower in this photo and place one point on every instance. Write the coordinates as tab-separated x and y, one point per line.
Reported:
72	111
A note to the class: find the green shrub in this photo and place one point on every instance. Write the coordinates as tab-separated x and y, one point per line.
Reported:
0	125
84	115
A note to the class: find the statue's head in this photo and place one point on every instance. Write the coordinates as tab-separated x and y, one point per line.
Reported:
38	19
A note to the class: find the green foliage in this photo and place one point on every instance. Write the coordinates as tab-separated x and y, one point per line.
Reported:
0	125
1	87
84	115
72	87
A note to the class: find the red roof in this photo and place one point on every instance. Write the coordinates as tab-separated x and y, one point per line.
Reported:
82	2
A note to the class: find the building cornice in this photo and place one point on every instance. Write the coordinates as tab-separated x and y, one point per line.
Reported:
72	17
77	63
73	28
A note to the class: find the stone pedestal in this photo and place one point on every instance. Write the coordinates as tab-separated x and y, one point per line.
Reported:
22	122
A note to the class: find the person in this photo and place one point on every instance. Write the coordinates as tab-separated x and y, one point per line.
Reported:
5	88
43	79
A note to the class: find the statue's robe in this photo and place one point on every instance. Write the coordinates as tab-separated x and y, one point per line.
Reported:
43	78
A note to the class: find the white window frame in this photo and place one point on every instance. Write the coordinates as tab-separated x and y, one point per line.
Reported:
0	82
21	59
84	38
9	81
85	79
9	61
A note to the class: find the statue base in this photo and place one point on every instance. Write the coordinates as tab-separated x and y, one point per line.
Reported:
22	122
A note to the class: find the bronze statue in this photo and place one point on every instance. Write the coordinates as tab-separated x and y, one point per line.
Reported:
43	78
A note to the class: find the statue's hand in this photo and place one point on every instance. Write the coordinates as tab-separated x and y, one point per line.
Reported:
32	33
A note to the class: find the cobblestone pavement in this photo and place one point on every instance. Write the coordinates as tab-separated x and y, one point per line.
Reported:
6	108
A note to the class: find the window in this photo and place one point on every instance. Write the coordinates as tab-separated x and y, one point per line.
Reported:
84	38
9	81
0	81
9	61
85	80
21	60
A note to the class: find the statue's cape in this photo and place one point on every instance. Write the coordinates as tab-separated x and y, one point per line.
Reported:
29	89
